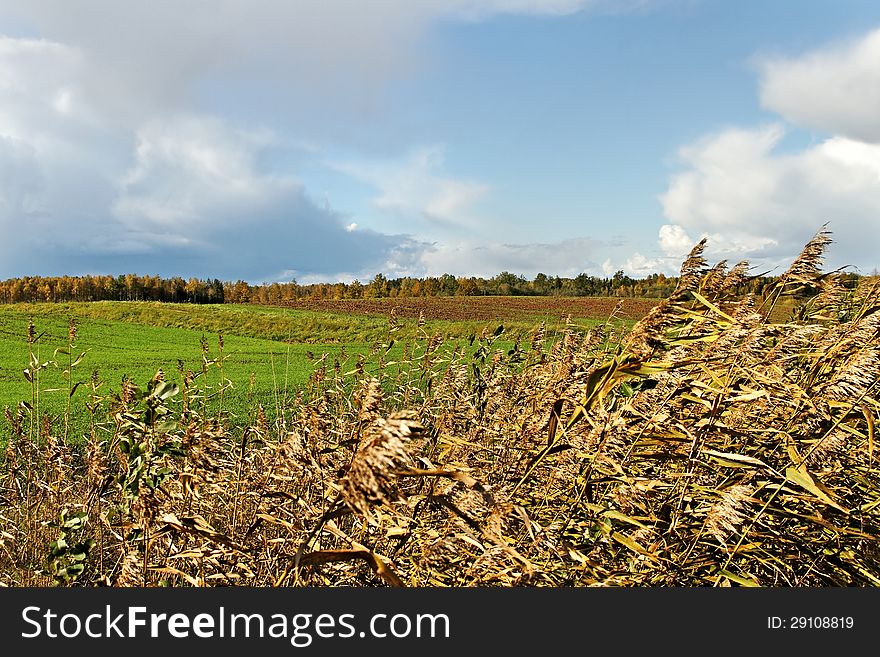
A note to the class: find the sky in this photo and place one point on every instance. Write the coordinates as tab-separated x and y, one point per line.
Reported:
331	140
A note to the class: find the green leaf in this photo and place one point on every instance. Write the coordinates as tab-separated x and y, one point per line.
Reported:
738	579
688	339
74	521
711	306
165	390
166	426
629	543
617	515
75	569
735	460
749	396
808	482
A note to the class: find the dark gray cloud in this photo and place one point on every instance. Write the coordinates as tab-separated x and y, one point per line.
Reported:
295	236
133	135
173	192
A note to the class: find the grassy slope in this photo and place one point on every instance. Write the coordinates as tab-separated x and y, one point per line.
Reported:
273	347
117	347
268	323
284	324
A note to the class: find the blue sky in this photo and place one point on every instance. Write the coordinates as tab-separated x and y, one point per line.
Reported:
332	140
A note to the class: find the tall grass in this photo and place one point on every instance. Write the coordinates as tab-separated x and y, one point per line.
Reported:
710	446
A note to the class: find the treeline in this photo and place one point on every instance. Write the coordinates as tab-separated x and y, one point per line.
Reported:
127	287
133	287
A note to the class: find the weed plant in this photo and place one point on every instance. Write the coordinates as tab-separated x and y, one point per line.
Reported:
711	445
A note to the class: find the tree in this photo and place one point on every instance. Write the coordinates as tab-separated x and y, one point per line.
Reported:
448	285
377	288
194	290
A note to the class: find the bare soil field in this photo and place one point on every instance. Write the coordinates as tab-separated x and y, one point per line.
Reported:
484	308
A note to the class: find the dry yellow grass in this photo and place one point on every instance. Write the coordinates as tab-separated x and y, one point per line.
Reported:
712	445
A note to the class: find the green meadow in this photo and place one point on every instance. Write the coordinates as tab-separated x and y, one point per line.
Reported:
268	353
254	370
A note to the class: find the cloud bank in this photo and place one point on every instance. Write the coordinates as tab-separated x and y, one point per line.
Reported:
752	196
834	89
417	187
142	138
120	149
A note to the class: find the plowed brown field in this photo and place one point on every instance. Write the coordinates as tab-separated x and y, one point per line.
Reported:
486	308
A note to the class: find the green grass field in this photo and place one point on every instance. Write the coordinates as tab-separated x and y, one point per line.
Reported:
268	352
257	367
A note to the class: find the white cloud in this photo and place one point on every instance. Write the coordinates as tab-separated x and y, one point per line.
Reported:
477	9
834	89
40	84
639	265
674	240
417	187
145	89
469	258
143	57
103	161
190	170
752	200
178	193
564	258
63	101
